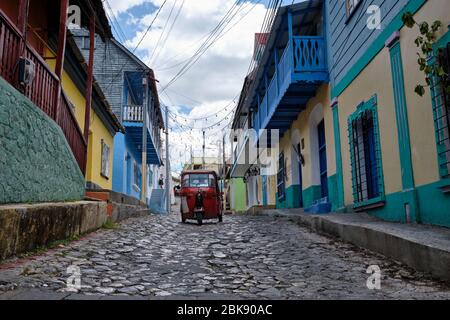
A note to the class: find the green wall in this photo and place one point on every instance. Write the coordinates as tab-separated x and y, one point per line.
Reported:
292	198
36	163
239	192
432	202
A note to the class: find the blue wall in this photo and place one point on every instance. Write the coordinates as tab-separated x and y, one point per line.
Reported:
349	38
124	147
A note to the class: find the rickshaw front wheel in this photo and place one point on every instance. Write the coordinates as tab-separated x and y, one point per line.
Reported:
199	221
220	218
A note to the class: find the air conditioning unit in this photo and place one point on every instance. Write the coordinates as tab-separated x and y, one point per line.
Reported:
27	71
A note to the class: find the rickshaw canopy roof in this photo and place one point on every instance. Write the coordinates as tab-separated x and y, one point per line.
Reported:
199	172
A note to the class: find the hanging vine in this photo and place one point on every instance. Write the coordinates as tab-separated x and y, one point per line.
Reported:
425	43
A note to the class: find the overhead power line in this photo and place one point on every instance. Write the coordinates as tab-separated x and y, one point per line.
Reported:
206	44
163	31
119	73
170	30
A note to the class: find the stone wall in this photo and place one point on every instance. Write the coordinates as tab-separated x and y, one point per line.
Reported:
25	227
36	163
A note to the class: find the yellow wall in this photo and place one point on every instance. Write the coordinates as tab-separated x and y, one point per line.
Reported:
97	132
362	89
272	190
420	115
302	125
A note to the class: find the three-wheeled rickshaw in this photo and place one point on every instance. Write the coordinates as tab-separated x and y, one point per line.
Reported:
201	198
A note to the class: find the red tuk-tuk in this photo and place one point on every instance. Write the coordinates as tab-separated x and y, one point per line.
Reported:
201	198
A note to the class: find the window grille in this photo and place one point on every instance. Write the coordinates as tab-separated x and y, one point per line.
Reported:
281	187
441	112
368	185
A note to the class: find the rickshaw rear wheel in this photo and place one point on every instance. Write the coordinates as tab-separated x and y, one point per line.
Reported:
220	218
183	220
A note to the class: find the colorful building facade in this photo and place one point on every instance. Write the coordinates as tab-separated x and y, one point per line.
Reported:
130	88
354	136
282	110
103	124
40	59
394	143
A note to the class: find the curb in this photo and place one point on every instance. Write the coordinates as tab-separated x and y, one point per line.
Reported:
427	258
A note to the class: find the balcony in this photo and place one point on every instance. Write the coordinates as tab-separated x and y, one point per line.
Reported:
300	71
133	123
44	90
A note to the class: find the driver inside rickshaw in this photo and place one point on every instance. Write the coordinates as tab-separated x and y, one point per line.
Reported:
200	181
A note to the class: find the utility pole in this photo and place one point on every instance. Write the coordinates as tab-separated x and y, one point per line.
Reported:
144	140
168	176
204	146
224	173
192	159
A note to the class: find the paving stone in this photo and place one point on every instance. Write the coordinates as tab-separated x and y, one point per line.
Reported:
246	257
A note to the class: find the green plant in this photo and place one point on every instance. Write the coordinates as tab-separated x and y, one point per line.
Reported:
110	225
425	43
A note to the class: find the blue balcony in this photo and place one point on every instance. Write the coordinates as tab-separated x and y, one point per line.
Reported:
293	66
134	124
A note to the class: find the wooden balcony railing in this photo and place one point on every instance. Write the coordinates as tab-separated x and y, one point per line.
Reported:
132	114
43	91
303	59
72	131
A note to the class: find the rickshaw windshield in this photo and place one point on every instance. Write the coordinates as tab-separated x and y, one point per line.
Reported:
198	181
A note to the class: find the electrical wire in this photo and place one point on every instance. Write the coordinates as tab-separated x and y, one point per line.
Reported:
120	31
137	46
207	43
162	31
221	36
170	30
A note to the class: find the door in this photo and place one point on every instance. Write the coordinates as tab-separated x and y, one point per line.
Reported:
300	175
264	190
129	173
323	159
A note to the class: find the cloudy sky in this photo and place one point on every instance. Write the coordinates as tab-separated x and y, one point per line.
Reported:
210	86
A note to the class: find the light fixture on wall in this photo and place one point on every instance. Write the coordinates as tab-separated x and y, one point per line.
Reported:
300	157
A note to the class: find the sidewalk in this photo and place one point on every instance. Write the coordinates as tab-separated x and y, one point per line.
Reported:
424	248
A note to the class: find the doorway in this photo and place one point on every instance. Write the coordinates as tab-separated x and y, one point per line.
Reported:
129	169
300	174
323	159
264	190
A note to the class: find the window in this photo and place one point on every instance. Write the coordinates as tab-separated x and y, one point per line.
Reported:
137	175
199	180
351	6
86	42
105	160
441	113
281	187
368	185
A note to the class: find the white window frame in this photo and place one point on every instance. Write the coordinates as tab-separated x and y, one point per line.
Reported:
105	160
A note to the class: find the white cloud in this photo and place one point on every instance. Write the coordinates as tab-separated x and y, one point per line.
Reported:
119	6
217	77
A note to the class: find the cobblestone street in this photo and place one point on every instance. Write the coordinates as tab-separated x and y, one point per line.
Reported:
246	257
